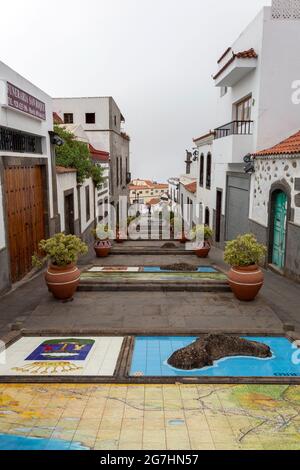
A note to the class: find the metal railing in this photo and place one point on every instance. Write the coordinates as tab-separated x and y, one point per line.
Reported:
234	128
16	141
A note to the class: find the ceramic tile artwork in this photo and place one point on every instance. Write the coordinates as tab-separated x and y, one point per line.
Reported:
62	356
148	274
145	269
111	269
166	417
151	354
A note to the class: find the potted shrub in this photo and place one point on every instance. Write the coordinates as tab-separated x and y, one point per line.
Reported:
178	229
103	236
245	277
202	235
120	235
62	275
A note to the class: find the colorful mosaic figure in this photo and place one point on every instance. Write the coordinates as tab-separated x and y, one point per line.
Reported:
62	350
47	368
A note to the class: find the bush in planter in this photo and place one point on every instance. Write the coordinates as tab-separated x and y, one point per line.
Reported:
103	236
243	254
61	250
62	275
103	232
244	251
177	224
202	235
202	232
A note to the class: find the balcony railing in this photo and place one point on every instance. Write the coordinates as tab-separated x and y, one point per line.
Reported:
234	128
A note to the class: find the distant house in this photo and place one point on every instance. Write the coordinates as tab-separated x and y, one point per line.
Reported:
142	191
102	121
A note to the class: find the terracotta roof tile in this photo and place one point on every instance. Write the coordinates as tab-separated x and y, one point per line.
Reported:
191	187
61	170
289	146
148	186
153	201
57	119
99	155
205	136
249	54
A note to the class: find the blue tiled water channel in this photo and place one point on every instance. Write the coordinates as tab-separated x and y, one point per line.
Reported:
151	354
157	269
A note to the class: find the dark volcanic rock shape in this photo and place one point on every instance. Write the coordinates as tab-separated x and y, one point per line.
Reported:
169	245
180	267
210	348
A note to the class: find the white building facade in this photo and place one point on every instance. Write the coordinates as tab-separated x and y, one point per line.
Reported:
102	122
255	110
28	198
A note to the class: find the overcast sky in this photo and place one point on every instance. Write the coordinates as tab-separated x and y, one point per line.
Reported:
155	57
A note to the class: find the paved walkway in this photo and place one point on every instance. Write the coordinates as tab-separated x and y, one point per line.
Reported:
32	307
153	313
186	417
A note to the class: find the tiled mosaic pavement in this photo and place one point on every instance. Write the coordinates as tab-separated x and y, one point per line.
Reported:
171	417
61	356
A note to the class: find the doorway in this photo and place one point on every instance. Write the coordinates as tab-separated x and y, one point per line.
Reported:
25	210
69	213
218	215
279	227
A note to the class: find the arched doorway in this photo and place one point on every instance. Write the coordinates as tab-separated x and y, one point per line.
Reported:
279	228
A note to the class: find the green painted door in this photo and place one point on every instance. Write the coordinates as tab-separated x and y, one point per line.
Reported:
280	219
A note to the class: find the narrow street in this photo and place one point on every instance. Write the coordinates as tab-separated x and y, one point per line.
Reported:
149	231
146	416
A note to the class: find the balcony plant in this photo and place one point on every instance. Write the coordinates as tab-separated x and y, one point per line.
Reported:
103	236
61	252
243	255
202	234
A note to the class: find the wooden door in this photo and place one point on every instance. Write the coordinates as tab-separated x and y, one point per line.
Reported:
25	216
279	235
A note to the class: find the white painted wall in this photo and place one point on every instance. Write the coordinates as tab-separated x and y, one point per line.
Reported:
205	196
277	43
2	228
66	181
26	123
85	223
267	172
80	106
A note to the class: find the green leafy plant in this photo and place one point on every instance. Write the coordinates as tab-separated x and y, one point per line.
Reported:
130	219
103	232
75	154
202	232
244	251
177	224
60	249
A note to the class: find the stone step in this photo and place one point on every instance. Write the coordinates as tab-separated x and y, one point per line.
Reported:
156	286
150	251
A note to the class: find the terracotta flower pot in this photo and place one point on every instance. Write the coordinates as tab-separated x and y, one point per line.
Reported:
119	237
203	250
102	248
246	282
183	238
62	281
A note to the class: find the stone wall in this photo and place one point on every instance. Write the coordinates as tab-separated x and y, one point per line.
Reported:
269	171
